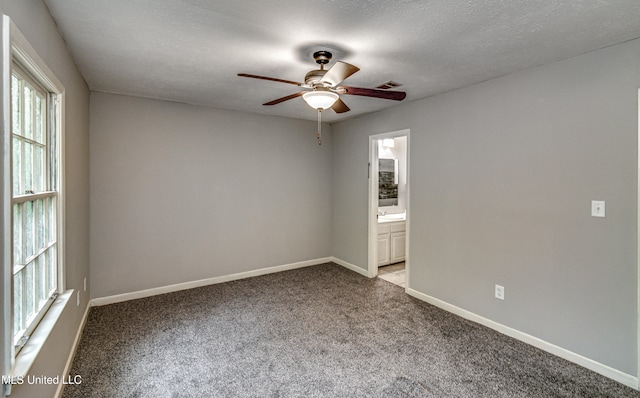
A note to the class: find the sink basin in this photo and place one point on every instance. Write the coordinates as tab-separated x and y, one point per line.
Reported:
392	217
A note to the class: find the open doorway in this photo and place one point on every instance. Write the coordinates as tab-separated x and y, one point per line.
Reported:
389	207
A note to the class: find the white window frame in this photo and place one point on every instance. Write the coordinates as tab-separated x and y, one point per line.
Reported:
16	49
50	191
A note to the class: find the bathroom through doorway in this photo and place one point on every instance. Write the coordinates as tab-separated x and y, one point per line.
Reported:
389	207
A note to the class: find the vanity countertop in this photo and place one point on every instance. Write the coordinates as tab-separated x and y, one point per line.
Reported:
392	218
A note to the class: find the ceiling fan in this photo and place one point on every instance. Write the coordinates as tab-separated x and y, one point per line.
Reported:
322	89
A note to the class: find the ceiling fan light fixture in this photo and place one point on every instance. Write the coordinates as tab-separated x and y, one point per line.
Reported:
320	99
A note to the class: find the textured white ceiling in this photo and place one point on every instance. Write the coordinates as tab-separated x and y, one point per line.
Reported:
191	50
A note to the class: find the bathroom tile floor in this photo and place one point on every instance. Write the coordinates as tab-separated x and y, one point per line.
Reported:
394	273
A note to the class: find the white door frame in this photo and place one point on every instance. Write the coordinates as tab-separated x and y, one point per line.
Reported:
638	254
373	200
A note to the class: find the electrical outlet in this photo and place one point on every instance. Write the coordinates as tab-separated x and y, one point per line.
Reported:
499	292
78	299
85	284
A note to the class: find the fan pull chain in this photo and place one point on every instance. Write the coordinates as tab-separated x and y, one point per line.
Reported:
319	135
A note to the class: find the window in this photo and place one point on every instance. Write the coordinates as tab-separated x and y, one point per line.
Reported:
35	192
31	204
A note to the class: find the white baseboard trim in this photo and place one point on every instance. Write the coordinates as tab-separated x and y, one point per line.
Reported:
351	267
570	356
204	282
74	347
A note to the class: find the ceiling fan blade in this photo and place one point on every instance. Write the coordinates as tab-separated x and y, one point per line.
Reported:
273	79
338	72
340	107
283	99
372	92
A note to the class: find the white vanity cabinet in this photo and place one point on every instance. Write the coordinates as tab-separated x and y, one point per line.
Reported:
391	242
383	245
398	244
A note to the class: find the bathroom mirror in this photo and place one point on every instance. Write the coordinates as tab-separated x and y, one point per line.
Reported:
387	182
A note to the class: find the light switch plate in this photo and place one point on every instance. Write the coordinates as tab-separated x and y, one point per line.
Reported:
499	293
597	208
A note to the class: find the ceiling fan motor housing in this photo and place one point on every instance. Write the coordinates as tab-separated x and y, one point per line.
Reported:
314	77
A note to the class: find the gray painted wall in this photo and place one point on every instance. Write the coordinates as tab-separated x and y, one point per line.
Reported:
502	178
181	193
34	21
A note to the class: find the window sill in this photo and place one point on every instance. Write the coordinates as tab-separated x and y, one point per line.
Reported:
30	351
